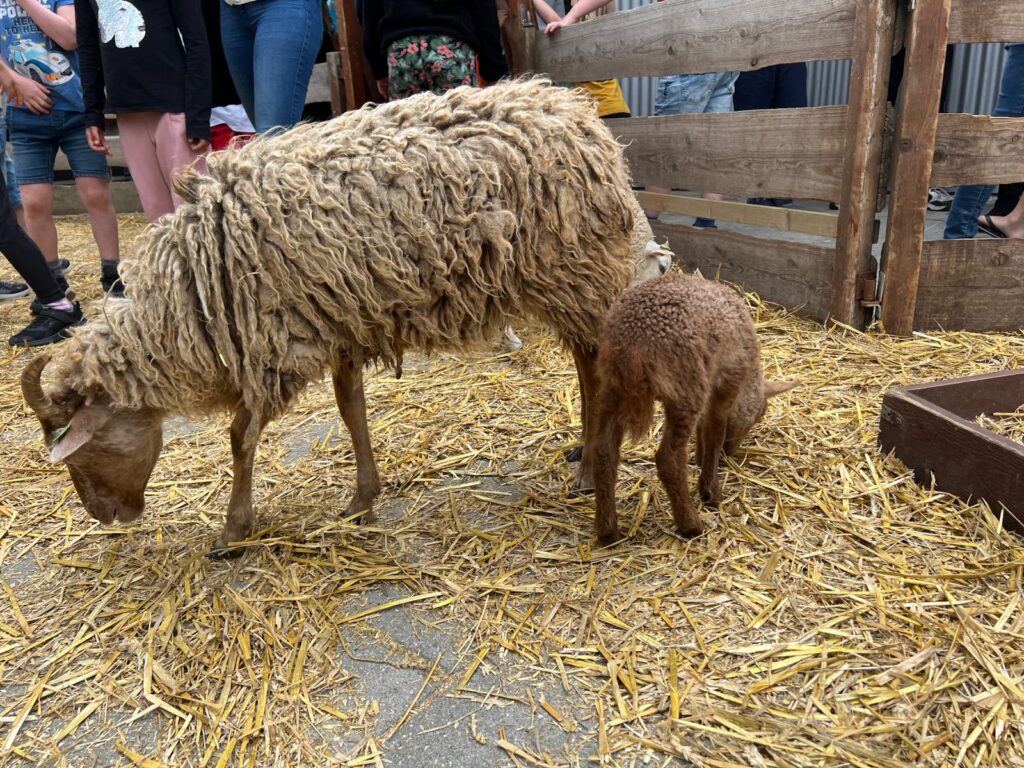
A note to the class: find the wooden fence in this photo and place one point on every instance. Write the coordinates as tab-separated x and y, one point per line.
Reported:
831	153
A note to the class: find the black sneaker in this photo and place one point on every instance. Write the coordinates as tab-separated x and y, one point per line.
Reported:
36	306
9	291
110	279
49	326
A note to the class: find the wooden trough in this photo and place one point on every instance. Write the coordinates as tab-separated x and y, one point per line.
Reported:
932	428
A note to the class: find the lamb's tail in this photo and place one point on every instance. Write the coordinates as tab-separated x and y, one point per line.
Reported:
626	380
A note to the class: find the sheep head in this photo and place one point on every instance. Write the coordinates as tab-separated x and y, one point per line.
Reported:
110	452
652	262
749	409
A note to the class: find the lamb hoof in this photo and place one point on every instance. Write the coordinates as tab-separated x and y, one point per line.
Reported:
711	498
574	454
690	531
608	539
361	513
225	550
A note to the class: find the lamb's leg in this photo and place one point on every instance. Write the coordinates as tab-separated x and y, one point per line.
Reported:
712	439
576	454
245	436
606	465
586	370
348	390
671	460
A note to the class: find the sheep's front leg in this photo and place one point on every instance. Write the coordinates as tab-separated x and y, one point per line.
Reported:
348	391
607	446
586	370
245	437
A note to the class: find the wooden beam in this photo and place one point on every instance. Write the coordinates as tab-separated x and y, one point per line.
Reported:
787	219
992	21
956	454
354	70
680	36
974	396
794	275
915	147
762	153
971	285
319	88
862	164
336	82
978	150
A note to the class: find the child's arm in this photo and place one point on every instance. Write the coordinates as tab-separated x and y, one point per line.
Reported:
188	16
91	71
579	10
547	14
59	26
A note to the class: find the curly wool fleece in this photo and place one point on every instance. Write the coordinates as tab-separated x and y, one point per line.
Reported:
425	223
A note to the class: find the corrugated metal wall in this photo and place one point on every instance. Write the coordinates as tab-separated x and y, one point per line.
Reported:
973	88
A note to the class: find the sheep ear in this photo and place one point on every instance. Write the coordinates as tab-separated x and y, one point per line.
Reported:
773	388
77	432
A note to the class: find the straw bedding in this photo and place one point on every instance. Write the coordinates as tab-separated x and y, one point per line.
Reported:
833	614
1009	425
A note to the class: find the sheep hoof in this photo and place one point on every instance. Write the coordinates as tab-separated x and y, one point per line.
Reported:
712	498
574	454
360	512
608	539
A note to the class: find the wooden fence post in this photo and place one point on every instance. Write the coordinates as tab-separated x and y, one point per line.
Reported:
519	29
869	82
350	46
928	31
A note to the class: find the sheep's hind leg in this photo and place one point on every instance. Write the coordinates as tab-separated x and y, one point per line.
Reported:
712	439
671	460
348	390
241	520
586	370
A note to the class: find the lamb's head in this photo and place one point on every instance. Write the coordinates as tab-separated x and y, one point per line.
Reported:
652	262
110	452
750	407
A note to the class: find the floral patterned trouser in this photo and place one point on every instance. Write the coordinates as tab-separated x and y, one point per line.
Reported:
429	63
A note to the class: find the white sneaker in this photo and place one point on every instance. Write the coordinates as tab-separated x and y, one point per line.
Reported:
939	199
510	341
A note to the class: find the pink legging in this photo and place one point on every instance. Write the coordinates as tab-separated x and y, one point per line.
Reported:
156	150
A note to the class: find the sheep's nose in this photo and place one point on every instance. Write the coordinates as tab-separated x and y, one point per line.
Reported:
663	268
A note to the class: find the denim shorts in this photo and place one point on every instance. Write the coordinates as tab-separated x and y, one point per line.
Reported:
695	94
10	175
36	139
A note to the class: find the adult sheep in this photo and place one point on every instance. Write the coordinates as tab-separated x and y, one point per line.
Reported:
425	224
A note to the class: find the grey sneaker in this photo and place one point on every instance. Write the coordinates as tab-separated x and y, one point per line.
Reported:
10	291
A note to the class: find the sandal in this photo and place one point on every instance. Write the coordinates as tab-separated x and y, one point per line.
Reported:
989	228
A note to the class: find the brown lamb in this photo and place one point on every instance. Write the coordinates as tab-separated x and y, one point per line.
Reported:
689	343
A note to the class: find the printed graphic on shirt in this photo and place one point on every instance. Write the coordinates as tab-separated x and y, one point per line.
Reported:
31	53
121	22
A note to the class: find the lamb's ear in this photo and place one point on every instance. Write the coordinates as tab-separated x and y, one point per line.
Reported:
79	431
773	388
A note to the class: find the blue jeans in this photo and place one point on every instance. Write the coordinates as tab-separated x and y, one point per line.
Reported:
962	221
10	174
36	139
270	46
695	94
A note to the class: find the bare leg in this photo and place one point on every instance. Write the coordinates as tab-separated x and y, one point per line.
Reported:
245	436
608	440
672	460
348	391
95	195
38	204
586	370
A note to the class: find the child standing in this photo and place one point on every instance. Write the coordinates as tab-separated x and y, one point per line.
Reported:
55	314
415	46
148	63
38	38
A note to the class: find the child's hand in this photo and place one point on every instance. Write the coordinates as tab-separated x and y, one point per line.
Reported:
199	146
29	93
382	88
553	27
96	137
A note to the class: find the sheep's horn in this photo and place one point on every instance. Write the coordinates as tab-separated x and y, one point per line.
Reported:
32	389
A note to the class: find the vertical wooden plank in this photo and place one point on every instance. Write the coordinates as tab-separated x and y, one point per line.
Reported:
353	63
862	164
336	82
928	31
521	29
